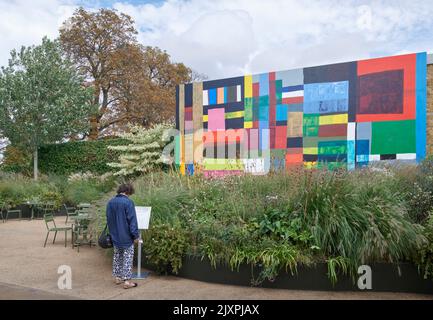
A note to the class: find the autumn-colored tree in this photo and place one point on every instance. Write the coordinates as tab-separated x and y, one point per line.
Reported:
146	92
94	41
133	83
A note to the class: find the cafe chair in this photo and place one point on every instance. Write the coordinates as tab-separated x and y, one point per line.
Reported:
51	227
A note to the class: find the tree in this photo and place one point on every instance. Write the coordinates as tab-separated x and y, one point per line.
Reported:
133	83
146	92
42	98
94	41
145	151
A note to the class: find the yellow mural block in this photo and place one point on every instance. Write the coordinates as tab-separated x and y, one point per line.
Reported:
205	118
313	150
234	114
248	85
248	124
333	119
222	164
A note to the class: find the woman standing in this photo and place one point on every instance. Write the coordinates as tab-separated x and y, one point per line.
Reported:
122	225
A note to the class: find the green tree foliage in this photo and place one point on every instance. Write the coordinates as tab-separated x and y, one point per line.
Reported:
42	98
145	151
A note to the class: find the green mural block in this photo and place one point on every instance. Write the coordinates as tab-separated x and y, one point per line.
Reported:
177	149
248	109
264	101
279	98
278	86
332	147
278	153
310	125
392	137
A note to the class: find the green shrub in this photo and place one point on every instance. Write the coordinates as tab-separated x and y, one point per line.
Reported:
424	257
78	156
16	189
85	188
166	246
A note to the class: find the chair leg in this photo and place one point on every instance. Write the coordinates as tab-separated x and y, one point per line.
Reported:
66	218
45	244
55	234
66	236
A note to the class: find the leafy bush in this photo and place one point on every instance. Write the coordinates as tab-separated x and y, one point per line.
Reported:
87	187
166	246
78	156
16	189
144	153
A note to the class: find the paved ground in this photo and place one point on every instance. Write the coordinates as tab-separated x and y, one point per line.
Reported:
29	271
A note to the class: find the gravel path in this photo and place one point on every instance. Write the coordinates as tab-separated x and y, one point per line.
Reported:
29	271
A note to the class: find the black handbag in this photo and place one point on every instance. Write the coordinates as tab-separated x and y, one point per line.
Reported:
105	240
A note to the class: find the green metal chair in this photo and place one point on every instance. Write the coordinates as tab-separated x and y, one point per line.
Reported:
49	208
9	211
81	234
49	219
70	212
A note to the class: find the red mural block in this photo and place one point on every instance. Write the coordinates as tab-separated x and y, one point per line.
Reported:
294	100
294	159
280	137
256	90
271	76
333	130
407	63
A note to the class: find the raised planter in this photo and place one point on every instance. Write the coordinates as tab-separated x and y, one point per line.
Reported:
386	277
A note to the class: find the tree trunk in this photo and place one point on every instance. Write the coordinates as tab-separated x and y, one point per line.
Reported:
94	128
94	120
35	164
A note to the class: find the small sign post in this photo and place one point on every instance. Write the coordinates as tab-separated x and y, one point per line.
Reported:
143	218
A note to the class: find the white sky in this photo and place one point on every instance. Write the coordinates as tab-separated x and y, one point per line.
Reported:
224	38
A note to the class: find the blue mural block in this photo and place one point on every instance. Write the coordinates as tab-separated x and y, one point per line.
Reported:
281	114
212	96
362	147
264	84
293	88
326	97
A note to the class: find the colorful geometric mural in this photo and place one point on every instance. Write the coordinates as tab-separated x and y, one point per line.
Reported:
340	115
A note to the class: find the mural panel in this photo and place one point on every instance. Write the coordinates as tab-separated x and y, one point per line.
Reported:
342	115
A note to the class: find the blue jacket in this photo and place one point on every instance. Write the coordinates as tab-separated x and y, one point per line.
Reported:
122	221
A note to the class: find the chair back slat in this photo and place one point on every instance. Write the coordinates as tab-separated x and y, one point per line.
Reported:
49	218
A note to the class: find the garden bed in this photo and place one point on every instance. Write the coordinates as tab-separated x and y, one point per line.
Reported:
386	277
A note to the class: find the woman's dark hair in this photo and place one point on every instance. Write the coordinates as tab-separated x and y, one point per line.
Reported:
126	188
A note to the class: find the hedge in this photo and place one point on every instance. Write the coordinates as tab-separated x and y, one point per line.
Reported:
78	156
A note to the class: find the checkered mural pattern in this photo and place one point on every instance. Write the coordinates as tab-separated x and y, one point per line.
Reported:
342	115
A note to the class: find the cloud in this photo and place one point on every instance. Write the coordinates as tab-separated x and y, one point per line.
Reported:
231	37
27	22
227	38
